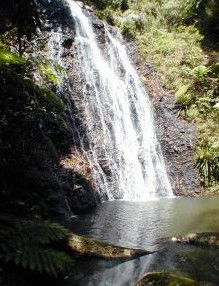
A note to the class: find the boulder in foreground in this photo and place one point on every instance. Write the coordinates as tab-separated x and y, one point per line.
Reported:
90	247
165	279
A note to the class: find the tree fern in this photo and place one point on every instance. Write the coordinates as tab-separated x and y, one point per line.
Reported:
28	243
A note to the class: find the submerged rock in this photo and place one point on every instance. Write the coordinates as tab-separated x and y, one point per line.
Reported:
89	247
165	279
199	239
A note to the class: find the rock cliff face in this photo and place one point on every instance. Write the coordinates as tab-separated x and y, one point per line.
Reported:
58	34
178	141
48	159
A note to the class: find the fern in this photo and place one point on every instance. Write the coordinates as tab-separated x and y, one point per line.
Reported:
28	244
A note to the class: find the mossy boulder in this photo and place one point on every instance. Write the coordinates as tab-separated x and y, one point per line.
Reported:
86	246
165	279
199	239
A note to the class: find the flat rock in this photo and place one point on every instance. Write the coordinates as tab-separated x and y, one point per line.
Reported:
199	239
86	246
165	279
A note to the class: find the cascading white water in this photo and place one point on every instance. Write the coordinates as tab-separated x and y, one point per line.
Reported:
118	120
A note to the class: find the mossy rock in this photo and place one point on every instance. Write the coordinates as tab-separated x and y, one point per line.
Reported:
8	58
89	247
52	98
48	71
165	279
199	239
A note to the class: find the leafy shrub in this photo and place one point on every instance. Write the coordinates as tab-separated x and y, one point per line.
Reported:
200	71
184	97
28	244
192	112
49	73
114	4
8	58
207	160
108	15
129	28
179	12
132	24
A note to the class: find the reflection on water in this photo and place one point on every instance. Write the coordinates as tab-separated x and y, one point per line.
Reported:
138	224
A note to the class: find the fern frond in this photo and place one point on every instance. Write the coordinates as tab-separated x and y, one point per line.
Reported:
28	244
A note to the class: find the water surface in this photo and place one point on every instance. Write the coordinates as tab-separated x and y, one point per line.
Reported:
145	224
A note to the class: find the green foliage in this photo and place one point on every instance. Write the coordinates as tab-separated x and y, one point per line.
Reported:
129	28
8	58
108	15
179	12
213	70
204	111
49	73
174	53
114	4
183	96
132	25
200	71
6	39
28	244
207	159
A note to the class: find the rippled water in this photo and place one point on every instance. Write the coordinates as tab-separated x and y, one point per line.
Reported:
143	225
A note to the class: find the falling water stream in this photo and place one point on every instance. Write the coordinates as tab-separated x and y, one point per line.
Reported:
119	119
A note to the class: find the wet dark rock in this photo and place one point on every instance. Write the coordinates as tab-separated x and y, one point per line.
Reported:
97	23
58	14
67	43
82	198
165	279
178	141
104	164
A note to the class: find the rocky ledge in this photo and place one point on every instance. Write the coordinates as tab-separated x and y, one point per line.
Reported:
86	246
199	239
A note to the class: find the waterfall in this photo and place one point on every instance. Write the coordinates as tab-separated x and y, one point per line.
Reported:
123	148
